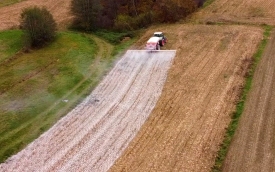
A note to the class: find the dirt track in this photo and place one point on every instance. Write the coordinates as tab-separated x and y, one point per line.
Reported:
10	15
253	146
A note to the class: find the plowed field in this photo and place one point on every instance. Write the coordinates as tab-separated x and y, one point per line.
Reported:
253	146
93	135
142	119
252	11
10	15
185	129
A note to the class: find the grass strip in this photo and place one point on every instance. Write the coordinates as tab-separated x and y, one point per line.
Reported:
241	104
114	37
54	80
9	46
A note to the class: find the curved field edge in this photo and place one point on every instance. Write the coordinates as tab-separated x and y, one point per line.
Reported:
92	135
42	86
241	103
31	90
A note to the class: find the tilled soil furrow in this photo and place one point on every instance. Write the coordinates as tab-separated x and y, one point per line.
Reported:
116	121
95	133
198	120
10	15
85	125
238	11
190	118
252	148
188	122
84	120
166	118
140	98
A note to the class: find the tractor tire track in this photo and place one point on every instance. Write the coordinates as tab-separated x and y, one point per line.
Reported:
95	133
188	123
238	11
252	148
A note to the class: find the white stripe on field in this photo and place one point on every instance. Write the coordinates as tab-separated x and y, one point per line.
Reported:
94	134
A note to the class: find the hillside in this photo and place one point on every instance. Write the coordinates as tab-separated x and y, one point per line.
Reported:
183	125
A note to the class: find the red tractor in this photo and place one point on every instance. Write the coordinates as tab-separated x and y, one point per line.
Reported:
155	42
162	38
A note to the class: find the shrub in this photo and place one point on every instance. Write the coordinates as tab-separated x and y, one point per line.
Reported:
39	26
124	22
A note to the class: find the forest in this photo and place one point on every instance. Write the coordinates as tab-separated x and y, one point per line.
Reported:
130	14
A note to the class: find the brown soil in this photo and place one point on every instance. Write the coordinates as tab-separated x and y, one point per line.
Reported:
187	125
253	145
239	11
10	15
188	121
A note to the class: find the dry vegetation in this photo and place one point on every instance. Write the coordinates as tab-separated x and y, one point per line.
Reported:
239	11
187	125
10	15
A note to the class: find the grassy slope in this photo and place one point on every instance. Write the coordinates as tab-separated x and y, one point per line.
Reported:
9	45
39	87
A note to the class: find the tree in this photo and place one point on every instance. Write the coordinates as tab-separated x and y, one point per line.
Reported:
128	14
39	26
108	14
173	10
86	13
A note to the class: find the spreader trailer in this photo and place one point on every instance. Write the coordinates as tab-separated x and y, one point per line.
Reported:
153	44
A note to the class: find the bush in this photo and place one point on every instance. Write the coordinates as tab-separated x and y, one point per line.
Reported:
114	37
38	25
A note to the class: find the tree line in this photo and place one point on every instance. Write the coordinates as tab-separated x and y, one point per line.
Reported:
89	15
129	14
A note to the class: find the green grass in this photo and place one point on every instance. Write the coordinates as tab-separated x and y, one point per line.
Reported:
240	105
39	87
8	2
8	45
114	37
